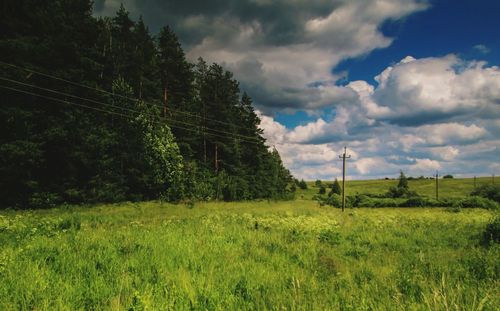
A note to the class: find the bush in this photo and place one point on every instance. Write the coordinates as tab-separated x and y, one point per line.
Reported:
491	192
475	202
492	232
334	200
415	202
336	188
365	201
322	190
448	176
318	183
302	184
44	200
400	192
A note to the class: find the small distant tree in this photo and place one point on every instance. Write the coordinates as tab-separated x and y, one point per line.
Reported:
403	181
322	189
336	188
302	184
293	188
448	176
402	189
318	183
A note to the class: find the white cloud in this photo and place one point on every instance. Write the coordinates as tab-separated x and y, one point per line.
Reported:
450	133
482	48
279	75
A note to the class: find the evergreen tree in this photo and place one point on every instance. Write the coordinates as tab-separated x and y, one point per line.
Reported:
302	184
403	181
113	147
336	188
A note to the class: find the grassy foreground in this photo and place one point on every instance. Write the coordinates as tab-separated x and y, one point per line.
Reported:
259	255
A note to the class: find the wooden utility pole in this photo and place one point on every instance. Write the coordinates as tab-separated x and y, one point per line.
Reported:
217	173
437	186
343	157
165	100
216	160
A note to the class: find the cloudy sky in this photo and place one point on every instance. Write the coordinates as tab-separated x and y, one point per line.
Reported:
405	84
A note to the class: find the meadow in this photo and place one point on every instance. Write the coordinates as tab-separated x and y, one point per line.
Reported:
448	188
263	255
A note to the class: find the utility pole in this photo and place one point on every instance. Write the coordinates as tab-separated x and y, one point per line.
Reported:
217	172
343	157
165	100
437	186
216	160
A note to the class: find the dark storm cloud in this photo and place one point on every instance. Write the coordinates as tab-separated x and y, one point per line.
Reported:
282	22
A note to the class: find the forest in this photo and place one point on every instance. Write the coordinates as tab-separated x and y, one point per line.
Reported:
100	110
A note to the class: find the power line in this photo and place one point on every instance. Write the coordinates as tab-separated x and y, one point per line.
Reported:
110	112
234	135
117	95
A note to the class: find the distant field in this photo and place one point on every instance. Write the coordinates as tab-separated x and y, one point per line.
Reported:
448	188
236	256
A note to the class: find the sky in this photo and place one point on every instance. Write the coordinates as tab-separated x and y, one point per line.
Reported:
409	85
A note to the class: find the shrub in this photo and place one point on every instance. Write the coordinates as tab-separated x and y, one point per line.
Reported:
334	200
322	190
302	184
490	191
336	189
492	232
318	183
476	202
44	200
415	202
448	176
400	192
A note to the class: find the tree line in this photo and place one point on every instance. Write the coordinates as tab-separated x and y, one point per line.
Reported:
100	110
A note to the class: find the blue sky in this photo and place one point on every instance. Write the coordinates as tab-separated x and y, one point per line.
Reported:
448	26
410	85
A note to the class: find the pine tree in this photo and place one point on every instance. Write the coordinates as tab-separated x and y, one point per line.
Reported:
336	188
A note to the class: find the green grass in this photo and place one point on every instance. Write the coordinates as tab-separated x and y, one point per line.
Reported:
254	255
448	188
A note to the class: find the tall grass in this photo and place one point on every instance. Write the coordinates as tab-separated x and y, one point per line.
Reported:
254	255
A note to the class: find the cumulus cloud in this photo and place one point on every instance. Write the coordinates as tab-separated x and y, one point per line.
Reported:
428	90
421	115
281	51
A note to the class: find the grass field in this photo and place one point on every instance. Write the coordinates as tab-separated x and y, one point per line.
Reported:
448	188
236	256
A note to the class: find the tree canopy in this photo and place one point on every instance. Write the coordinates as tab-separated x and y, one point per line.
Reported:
100	110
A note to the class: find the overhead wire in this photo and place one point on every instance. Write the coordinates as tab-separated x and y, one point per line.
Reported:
233	135
114	94
114	113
